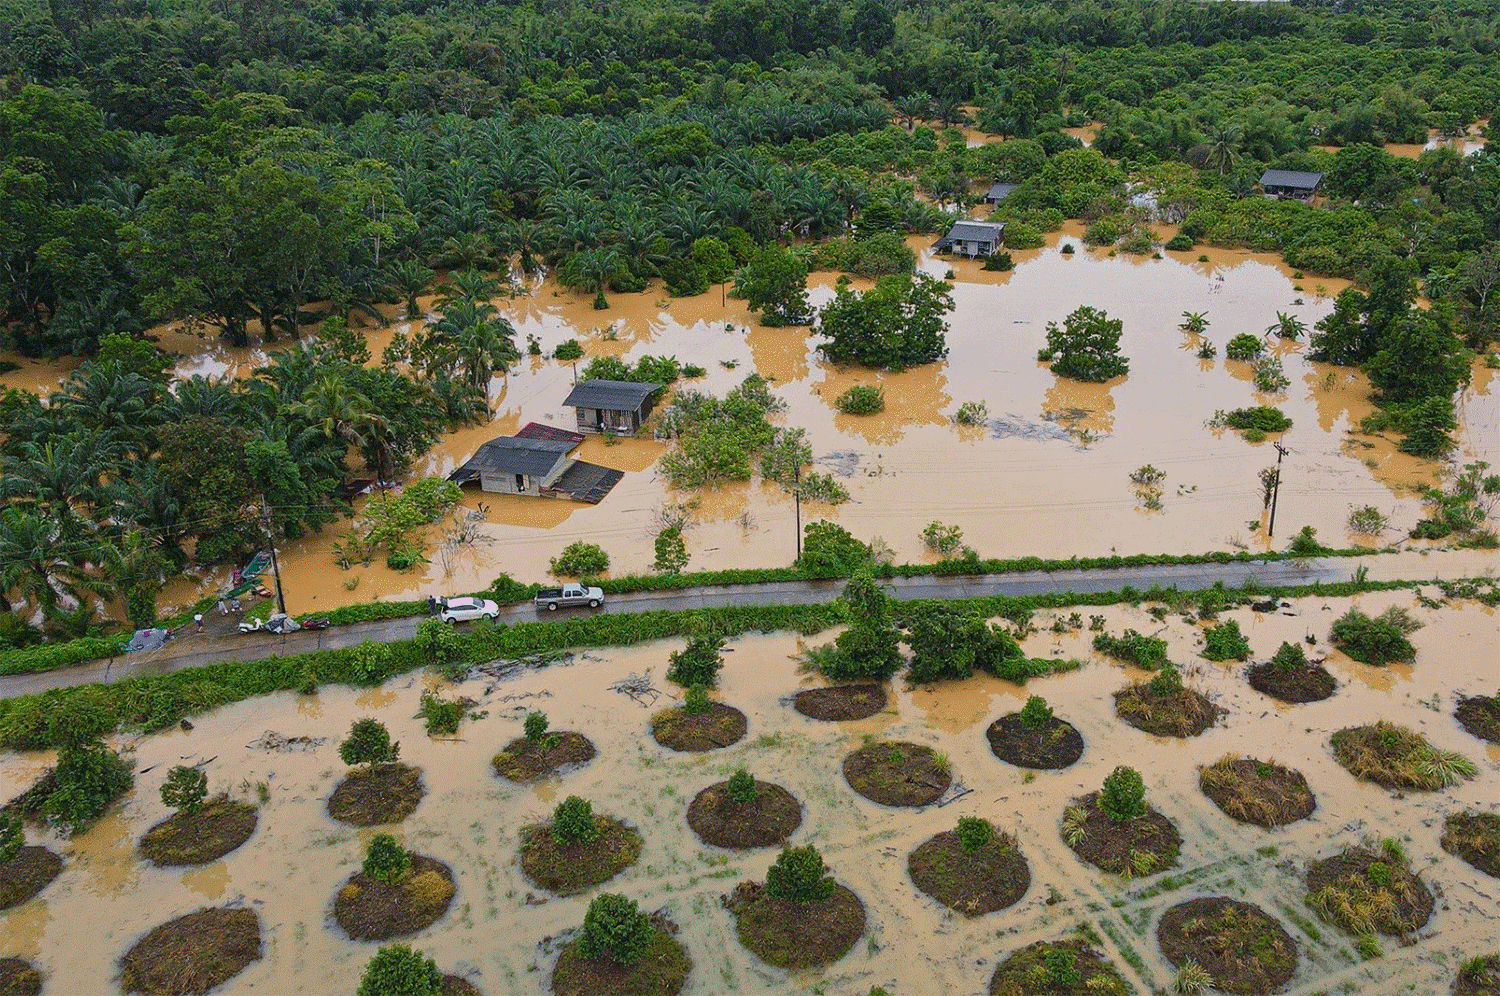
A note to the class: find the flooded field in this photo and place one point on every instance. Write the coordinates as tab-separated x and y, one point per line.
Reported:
503	934
1047	475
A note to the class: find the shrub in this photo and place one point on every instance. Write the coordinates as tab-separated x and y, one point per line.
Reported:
973	833
861	399
1124	795
12	838
696	700
1207	350
1262	417
385	859
942	540
671	551
441	715
1149	652
1269	375
438	642
972	413
1367	520
368	742
1378	641
568	349
580	560
1289	657
698	663
1001	261
1036	713
799	876
830	551
1244	347
616	927
868	647
742	787
573	821
1179	243
1226	643
1165	683
535	726
1086	346
397	970
185	788
88	777
1062	968
1305	543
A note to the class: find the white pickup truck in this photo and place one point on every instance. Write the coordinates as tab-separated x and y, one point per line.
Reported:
553	599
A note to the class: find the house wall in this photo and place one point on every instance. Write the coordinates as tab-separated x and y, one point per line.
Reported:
505	484
589	420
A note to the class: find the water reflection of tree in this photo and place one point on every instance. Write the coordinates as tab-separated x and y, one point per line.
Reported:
1079	406
912	398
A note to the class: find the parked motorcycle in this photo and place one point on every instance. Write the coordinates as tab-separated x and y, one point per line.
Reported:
253	626
315	624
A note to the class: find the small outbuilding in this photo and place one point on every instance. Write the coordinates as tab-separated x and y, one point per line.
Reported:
537	461
1000	192
972	238
614	406
1290	183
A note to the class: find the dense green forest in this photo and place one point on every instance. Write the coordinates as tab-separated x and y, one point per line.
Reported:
257	165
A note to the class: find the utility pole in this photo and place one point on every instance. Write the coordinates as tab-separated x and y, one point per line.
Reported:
265	522
797	501
1275	490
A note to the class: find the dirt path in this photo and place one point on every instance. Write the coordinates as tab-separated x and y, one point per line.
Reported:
197	649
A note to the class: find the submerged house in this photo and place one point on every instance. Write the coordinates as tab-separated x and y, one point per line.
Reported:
999	192
1283	183
614	406
972	238
537	461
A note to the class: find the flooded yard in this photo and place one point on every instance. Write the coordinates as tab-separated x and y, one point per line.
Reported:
503	934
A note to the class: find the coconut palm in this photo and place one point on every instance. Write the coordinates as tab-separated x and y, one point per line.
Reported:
1224	149
591	270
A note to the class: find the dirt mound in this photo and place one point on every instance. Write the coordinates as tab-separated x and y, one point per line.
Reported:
198	838
973	883
1480	715
1242	948
1394	756
1055	745
455	986
841	702
19	978
385	793
1475	837
717	726
1259	792
898	773
192	954
1307	683
662	971
26	874
569	868
1184	713
524	760
371	910
796	935
1368	892
1142	846
770	818
1046	961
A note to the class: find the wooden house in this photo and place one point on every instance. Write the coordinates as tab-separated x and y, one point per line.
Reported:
1290	183
537	461
613	406
972	238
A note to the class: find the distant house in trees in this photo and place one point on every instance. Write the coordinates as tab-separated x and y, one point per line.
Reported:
972	238
1000	192
1283	183
537	461
616	406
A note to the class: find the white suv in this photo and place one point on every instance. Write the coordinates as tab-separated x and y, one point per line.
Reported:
454	610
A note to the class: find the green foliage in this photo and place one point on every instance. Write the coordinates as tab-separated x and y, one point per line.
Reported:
615	927
580	560
742	787
1268	374
896	324
535	726
1289	657
87	778
799	876
1036	713
1262	417
868	648
12	836
386	860
1086	346
1002	261
442	716
1062	968
368	742
1179	243
695	700
972	413
1148	652
861	399
942	540
1367	520
1244	347
718	439
1428	424
397	970
1305	543
439	643
396	523
1380	641
944	639
1225	643
568	350
1124	795
973	833
699	662
573	821
671	551
774	282
830	551
185	788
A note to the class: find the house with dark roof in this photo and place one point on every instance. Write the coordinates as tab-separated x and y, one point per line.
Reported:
972	238
537	461
613	406
1000	192
1283	183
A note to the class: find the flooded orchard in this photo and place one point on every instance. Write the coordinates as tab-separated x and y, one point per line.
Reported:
1046	474
503	934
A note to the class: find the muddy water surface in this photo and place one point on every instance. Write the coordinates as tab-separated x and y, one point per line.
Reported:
495	933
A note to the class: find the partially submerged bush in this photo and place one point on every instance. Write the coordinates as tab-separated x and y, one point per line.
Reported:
185	788
1225	643
535	726
397	970
1124	795
1036	713
385	859
1378	641
800	876
698	663
573	821
973	833
861	399
580	560
742	788
1396	757
368	742
1149	652
1289	656
1244	347
1262	417
615	927
88	777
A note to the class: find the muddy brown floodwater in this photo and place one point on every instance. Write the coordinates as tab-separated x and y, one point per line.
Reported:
289	871
1047	475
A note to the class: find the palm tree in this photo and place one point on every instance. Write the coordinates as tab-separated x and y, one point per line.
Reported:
471	284
340	411
1224	149
40	564
912	107
591	270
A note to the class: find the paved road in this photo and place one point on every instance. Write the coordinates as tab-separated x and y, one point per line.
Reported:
196	649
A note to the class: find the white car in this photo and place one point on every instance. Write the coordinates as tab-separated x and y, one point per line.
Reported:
455	610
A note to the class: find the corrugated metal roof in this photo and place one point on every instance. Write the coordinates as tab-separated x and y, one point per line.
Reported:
1290	178
611	395
509	455
972	231
1001	191
536	430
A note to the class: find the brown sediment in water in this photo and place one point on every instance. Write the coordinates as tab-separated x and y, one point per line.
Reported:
298	859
